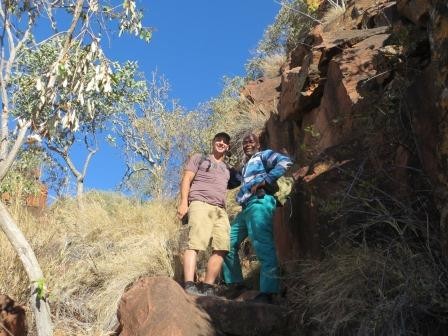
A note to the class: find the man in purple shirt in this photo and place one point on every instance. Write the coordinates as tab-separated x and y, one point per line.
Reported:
202	195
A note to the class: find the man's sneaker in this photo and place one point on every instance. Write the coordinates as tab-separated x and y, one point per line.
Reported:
266	298
190	288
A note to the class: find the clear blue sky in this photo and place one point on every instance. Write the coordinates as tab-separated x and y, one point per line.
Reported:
195	43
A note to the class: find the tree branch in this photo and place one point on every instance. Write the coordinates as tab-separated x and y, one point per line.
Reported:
92	151
7	163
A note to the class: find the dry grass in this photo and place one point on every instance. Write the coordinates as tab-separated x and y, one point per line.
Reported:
361	291
383	273
90	256
271	65
333	14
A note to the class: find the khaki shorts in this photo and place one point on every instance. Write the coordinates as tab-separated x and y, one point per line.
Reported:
208	222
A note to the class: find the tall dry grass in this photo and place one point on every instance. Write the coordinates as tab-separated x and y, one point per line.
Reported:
271	65
89	257
383	270
371	291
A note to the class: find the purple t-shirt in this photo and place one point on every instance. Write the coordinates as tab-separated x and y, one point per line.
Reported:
210	182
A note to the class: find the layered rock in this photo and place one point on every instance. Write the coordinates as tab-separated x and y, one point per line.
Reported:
379	63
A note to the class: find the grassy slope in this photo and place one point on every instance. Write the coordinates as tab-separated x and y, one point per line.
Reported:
90	256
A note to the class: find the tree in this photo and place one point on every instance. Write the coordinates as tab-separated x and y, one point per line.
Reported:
157	136
19	19
95	108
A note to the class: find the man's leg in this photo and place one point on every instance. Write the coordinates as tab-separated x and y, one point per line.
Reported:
189	264
199	235
214	266
232	267
260	229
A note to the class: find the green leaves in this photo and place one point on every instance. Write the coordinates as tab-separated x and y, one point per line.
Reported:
41	289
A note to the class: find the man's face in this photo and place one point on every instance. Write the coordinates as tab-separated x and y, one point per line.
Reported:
250	145
220	145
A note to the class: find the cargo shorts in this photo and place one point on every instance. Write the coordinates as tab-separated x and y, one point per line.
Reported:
208	224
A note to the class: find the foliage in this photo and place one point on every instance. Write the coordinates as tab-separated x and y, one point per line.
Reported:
231	113
93	108
23	178
51	103
41	288
271	65
157	135
293	19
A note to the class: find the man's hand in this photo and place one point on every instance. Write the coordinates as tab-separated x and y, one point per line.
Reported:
182	210
254	188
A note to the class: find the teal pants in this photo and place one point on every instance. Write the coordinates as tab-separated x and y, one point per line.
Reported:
255	221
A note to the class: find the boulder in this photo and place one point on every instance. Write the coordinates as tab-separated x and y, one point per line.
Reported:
12	317
159	307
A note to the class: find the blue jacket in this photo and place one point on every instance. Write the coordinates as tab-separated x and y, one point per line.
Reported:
266	166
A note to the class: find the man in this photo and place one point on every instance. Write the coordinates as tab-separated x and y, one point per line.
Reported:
262	169
202	194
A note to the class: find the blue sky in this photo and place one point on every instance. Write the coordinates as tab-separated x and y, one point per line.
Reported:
194	44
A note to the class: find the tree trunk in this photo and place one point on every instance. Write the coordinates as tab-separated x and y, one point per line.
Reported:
40	307
80	193
79	188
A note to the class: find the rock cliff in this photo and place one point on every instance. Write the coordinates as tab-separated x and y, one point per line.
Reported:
363	98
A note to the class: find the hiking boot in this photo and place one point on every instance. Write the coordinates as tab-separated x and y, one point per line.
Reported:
232	291
208	290
190	288
266	298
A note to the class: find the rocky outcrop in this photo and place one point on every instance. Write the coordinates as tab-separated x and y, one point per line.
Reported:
12	318
346	95
159	306
244	318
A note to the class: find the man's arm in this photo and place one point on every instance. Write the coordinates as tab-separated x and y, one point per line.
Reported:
276	165
184	191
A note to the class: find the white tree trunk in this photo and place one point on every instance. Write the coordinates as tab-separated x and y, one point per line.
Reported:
40	307
79	189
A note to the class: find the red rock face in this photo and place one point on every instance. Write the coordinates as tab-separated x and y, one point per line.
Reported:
337	85
265	92
415	10
159	306
12	318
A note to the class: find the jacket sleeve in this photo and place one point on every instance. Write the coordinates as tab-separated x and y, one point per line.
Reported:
276	165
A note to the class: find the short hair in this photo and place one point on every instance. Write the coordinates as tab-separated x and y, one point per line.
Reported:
251	134
222	135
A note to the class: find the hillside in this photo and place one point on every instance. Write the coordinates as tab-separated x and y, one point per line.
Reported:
360	99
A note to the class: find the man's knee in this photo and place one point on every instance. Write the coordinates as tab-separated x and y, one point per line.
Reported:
220	253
